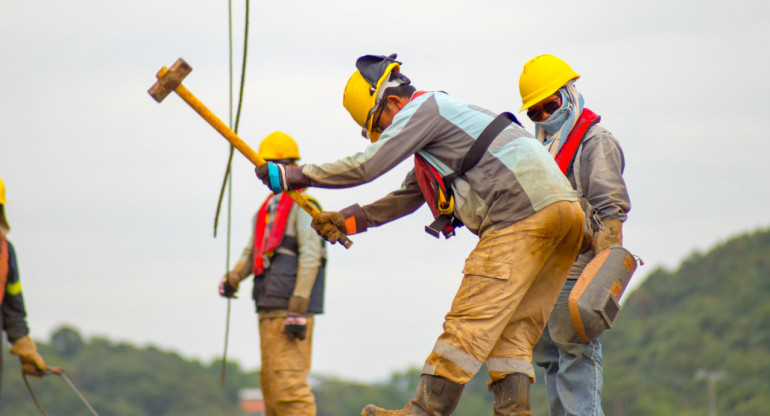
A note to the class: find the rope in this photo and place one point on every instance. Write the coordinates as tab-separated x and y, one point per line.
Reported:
227	172
75	389
32	393
225	181
227	337
59	372
237	117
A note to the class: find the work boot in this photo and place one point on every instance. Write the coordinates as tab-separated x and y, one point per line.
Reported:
436	396
511	395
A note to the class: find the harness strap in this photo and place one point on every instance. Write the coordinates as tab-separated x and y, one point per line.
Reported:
566	155
474	155
480	145
267	239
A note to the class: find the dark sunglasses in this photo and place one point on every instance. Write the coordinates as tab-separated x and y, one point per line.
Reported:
538	112
376	122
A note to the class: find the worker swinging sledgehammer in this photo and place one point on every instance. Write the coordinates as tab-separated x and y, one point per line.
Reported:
170	79
510	193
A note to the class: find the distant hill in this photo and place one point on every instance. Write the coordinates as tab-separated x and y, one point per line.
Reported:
711	316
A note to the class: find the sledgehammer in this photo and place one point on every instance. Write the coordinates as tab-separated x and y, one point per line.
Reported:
170	79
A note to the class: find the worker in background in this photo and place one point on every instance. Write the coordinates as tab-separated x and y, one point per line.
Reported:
13	315
593	162
287	258
515	199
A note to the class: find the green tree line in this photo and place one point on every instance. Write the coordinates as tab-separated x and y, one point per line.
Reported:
711	314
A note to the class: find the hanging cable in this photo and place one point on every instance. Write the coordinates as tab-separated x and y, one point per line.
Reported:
228	169
59	372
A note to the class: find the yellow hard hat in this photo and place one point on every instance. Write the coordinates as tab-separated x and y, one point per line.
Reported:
278	145
3	222
542	76
365	87
2	192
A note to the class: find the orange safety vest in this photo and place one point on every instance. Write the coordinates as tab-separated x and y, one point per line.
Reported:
265	243
566	154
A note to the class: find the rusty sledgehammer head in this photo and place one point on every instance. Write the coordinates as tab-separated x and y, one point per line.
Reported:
169	79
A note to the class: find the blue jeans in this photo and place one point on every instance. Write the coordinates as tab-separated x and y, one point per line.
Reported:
573	369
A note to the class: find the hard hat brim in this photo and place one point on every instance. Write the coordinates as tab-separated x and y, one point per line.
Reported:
544	92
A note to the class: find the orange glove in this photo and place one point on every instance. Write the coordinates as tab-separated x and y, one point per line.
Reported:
31	361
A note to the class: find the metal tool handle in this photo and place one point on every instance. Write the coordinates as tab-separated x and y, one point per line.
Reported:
242	147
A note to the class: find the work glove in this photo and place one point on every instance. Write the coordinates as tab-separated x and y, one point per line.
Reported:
330	225
611	235
229	285
295	324
31	361
279	177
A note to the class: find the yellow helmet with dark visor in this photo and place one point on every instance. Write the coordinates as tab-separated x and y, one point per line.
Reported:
365	88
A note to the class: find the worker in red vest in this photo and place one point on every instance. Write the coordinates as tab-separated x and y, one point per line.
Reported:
12	313
287	258
593	161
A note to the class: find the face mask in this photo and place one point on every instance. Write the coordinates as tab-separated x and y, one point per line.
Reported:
555	121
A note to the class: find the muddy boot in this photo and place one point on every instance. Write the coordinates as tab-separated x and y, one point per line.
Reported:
436	396
511	395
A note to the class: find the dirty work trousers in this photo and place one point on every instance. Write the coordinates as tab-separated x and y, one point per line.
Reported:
512	280
285	366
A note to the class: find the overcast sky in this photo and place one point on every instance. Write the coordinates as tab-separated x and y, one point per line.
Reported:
111	196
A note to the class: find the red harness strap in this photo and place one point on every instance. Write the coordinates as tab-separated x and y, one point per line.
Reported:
266	243
567	152
428	178
430	182
4	264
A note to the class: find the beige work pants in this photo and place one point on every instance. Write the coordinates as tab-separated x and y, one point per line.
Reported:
512	280
285	366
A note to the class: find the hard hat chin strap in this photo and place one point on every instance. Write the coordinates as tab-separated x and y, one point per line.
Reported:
381	92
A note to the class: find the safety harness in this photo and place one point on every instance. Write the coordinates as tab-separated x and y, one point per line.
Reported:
569	156
437	189
566	155
264	244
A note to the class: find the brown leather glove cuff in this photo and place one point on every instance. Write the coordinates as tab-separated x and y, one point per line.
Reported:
609	236
298	306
